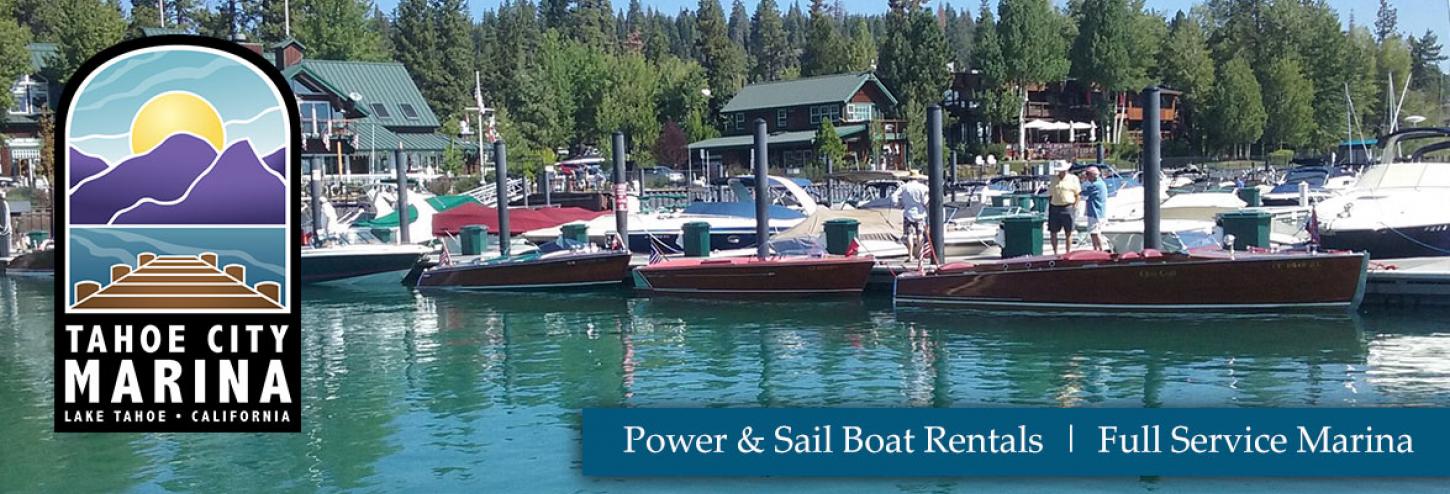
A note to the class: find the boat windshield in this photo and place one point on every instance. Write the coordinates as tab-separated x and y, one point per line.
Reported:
1406	175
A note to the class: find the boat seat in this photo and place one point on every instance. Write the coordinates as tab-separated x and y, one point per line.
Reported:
1129	256
1087	255
956	267
1152	253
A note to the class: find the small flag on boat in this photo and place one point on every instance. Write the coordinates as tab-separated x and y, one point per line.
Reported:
852	248
1313	226
444	259
926	249
655	254
615	243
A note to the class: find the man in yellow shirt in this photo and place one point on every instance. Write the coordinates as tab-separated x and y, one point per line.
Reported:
1064	192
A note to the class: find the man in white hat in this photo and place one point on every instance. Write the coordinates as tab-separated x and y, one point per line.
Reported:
1064	191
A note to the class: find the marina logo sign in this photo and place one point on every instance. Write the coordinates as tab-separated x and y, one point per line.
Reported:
176	196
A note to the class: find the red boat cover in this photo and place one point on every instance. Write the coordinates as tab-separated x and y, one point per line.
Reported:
520	219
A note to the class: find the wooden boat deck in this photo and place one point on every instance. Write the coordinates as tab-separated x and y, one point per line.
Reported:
177	282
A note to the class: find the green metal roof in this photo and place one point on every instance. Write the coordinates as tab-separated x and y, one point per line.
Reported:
377	83
780	138
161	31
39	52
809	91
374	137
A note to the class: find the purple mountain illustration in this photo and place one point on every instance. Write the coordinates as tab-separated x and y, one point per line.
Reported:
183	181
82	166
277	161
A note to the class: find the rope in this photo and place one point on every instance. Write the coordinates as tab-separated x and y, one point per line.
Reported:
1414	240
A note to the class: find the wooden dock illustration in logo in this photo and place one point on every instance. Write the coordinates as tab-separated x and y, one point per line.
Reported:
177	193
178	282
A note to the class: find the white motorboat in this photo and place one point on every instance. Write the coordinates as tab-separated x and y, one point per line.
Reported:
1400	207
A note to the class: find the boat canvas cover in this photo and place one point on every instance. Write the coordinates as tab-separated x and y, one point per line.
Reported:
740	209
875	224
438	203
1406	175
520	219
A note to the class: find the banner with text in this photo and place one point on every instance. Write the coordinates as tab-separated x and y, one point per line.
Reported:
880	442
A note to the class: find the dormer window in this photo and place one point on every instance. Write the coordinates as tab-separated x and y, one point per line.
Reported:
408	111
379	110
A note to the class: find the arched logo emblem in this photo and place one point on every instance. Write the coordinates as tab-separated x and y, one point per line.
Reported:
177	206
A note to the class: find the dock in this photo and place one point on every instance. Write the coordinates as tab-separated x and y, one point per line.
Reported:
178	282
1409	282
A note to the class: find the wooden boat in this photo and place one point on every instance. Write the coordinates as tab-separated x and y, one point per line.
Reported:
555	270
753	277
1213	281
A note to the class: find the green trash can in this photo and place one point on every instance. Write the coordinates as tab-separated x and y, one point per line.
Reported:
1040	203
1001	201
1249	228
37	236
576	232
697	239
474	239
1023	235
1024	201
1251	196
839	234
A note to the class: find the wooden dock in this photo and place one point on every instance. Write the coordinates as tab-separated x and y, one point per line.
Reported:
1409	282
178	282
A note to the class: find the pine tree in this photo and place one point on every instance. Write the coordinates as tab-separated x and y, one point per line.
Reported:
1101	53
1032	51
1186	65
1235	114
593	24
554	13
416	44
1386	22
185	15
860	46
634	18
629	103
14	60
828	144
83	28
232	18
338	30
686	41
796	25
959	30
825	51
739	25
768	44
144	14
380	24
1291	95
37	16
1425	58
273	19
449	95
999	103
724	61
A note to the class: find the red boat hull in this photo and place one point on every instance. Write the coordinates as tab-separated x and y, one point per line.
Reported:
749	277
1171	283
569	271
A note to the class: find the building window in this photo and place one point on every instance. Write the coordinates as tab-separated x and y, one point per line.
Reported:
828	112
409	112
379	110
739	120
780	118
860	112
31	96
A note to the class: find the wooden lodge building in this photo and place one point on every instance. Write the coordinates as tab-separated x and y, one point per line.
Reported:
1060	116
355	116
793	111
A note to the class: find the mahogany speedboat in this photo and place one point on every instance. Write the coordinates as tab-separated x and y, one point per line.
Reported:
1211	281
753	277
554	270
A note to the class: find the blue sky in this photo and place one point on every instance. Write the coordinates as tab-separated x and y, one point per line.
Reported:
103	111
1415	17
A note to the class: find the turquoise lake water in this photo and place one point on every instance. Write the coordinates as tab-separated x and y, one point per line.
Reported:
480	393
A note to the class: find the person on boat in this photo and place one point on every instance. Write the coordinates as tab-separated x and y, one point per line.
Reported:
1064	191
912	197
1095	194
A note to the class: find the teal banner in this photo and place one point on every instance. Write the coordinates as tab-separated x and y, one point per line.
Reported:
882	442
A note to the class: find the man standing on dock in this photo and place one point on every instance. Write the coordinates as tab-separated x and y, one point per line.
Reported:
1095	194
913	198
1064	192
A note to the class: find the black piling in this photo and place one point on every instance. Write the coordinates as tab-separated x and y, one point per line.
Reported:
402	176
621	191
1152	167
762	192
830	182
1101	154
315	189
952	170
548	183
936	215
501	181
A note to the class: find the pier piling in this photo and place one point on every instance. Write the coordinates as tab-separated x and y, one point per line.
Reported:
762	191
936	213
119	271
85	289
209	258
501	179
144	258
621	191
237	272
402	172
1152	167
315	188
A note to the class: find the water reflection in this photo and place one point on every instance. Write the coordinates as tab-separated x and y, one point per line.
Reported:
474	391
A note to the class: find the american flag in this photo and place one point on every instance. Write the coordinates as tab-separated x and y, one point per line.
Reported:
615	243
444	259
926	251
853	248
655	254
1313	226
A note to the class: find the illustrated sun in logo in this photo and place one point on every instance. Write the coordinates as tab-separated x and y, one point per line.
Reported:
175	112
